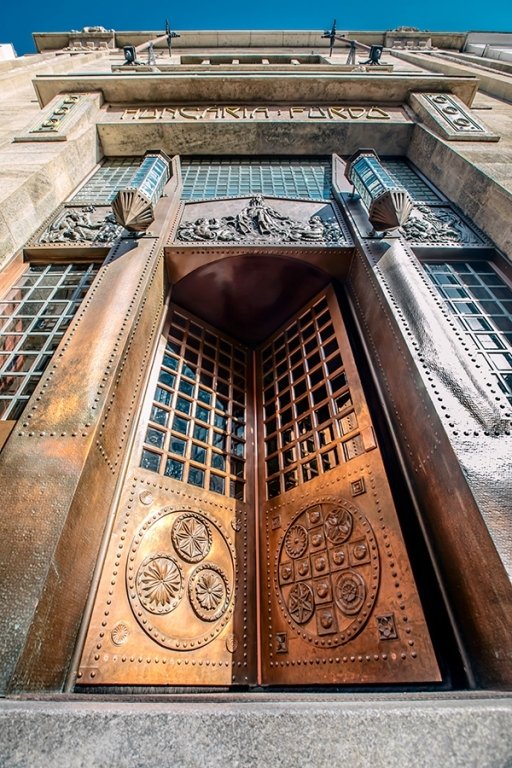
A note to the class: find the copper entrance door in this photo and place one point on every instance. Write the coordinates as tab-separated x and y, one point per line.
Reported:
255	539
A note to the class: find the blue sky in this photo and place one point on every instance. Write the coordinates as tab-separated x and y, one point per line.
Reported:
18	18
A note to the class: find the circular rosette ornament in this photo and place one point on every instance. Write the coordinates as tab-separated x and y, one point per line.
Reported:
209	592
327	571
191	537
296	541
301	604
338	525
350	592
159	583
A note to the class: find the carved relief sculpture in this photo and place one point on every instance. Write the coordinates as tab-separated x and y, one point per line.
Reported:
81	225
438	225
259	222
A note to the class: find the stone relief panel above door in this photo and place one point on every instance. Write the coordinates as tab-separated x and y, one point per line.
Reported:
265	221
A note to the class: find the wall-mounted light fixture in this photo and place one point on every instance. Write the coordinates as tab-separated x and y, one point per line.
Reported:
133	207
389	205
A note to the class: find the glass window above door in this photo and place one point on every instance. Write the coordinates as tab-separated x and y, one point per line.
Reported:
208	178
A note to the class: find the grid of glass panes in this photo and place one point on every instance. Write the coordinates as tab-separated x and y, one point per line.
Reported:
114	174
310	425
407	177
482	303
33	318
238	177
197	426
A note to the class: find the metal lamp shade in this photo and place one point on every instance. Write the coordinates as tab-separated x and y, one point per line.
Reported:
134	206
389	205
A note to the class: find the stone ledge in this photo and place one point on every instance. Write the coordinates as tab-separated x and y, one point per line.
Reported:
253	730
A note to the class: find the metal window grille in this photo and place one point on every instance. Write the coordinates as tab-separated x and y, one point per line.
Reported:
407	177
105	183
34	315
212	178
310	424
482	303
197	425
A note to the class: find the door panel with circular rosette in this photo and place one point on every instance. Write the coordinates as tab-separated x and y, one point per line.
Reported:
338	599
235	563
176	602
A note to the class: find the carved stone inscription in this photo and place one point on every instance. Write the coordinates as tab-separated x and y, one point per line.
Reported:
270	112
259	222
328	573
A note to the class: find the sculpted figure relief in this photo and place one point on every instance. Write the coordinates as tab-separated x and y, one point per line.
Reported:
438	225
77	225
258	222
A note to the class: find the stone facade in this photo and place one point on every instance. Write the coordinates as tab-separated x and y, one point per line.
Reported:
441	411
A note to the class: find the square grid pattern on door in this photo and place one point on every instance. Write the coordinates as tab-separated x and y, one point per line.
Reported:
197	429
310	425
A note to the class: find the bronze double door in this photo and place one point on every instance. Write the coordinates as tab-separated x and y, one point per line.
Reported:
255	539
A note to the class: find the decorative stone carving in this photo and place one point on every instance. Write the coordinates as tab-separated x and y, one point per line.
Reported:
453	112
449	117
438	225
260	223
83	225
52	121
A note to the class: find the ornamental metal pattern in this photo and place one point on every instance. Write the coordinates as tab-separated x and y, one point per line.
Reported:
159	583
328	572
196	432
310	423
258	222
181	596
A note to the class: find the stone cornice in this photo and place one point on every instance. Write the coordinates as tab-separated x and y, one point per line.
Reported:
256	87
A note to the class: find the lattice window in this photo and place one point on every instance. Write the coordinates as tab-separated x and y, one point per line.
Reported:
34	315
212	178
114	174
310	423
197	427
419	190
482	303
